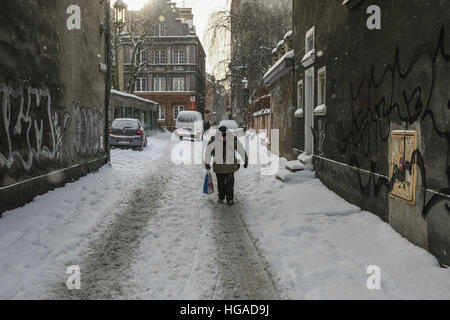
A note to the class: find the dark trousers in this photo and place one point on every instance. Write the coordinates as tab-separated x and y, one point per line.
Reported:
226	185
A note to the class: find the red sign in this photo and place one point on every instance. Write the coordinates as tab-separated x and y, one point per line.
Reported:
193	104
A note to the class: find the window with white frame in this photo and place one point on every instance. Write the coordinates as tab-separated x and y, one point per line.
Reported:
300	95
321	86
140	58
141	84
178	57
178	84
310	40
159	84
176	111
161	113
159	57
161	29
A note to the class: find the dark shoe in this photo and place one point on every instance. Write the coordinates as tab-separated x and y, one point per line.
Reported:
220	201
230	203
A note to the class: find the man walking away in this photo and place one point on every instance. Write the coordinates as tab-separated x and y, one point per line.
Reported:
223	147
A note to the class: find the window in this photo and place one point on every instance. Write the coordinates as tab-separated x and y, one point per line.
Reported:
141	85
127	54
178	57
310	35
159	57
128	112
178	84
300	95
117	112
137	114
161	29
141	58
321	86
161	113
159	84
176	111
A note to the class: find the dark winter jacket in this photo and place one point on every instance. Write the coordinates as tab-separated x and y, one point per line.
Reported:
225	160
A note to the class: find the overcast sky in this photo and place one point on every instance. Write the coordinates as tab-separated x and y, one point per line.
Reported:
201	9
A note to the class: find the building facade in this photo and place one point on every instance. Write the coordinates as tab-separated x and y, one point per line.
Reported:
52	84
174	72
217	98
125	105
372	84
280	79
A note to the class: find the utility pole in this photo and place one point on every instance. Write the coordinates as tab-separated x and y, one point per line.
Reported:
108	78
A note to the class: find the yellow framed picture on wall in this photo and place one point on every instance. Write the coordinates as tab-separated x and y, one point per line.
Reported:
402	166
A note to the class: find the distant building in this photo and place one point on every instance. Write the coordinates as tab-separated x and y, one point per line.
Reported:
216	101
258	113
174	75
125	105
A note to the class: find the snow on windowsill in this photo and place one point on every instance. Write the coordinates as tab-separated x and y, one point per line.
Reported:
320	111
309	58
299	113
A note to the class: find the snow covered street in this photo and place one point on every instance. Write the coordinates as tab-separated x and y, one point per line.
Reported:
142	229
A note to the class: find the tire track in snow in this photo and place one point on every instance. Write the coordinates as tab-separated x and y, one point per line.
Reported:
243	274
111	254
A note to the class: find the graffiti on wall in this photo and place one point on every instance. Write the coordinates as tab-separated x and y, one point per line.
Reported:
30	131
29	127
84	125
386	95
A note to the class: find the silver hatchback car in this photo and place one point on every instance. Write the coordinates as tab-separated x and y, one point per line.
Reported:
127	133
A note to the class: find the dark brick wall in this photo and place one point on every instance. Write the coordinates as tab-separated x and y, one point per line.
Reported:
168	100
52	94
379	81
282	107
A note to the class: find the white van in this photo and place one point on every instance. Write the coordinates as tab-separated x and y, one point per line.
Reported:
189	125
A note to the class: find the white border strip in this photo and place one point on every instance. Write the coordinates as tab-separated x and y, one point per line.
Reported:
48	174
376	174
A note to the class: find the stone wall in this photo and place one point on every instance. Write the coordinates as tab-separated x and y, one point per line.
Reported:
52	95
377	82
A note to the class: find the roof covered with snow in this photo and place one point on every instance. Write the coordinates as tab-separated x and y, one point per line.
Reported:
283	65
288	34
128	95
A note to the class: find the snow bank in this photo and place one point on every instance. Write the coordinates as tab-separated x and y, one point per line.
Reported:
40	240
319	246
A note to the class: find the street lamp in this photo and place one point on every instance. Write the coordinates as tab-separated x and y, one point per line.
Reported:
245	83
245	96
120	10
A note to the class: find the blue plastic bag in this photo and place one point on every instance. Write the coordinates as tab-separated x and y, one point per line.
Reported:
208	186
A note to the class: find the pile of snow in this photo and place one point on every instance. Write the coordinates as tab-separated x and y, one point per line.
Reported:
319	246
295	165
